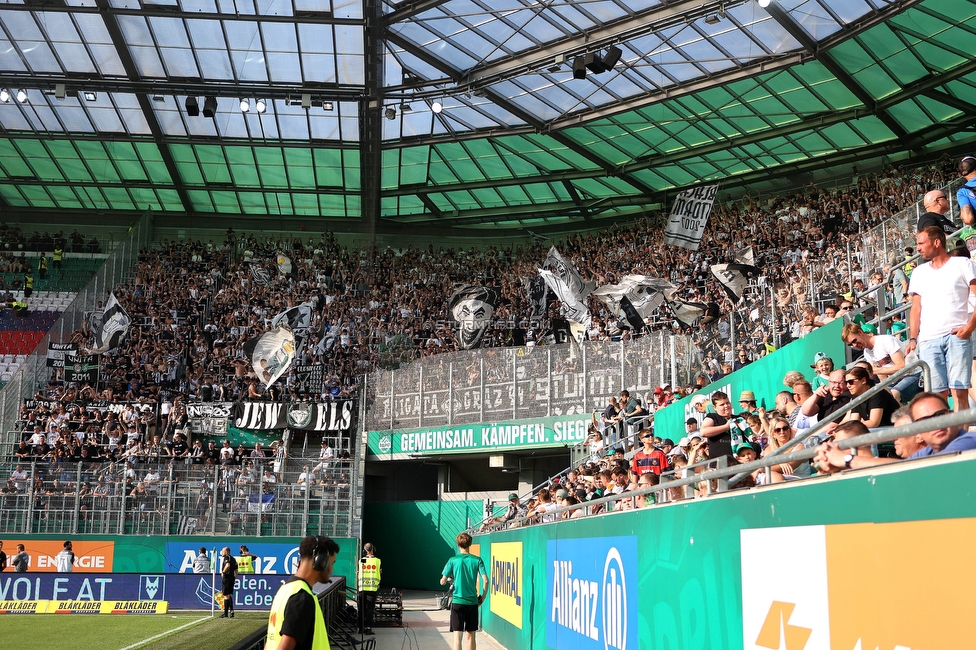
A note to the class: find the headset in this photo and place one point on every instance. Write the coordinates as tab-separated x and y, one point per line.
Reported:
320	559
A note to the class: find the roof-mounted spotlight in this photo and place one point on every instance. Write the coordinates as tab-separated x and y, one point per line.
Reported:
60	91
306	100
437	106
405	108
4	95
328	106
158	98
764	3
245	105
22	96
390	113
90	96
579	68
192	107
260	105
209	106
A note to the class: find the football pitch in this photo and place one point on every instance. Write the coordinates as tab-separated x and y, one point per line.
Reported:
180	630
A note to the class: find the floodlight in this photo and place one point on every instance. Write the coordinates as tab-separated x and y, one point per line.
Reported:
437	106
245	104
328	106
390	113
764	3
712	19
21	95
209	106
579	68
59	91
90	96
260	105
4	95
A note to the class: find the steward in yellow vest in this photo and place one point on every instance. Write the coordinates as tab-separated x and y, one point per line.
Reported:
369	584
295	611
58	254
245	562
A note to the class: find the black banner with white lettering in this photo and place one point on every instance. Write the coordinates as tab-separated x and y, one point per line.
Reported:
328	416
56	352
81	368
308	379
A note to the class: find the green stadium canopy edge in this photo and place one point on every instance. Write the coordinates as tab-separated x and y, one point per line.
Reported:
458	116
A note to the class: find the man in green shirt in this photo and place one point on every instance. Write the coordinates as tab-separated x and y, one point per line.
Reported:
465	570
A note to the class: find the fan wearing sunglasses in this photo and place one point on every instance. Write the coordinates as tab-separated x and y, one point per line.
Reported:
878	408
782	434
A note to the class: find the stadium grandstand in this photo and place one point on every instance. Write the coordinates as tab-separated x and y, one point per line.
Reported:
630	292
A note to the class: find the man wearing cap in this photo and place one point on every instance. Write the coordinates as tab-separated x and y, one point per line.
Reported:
649	458
513	511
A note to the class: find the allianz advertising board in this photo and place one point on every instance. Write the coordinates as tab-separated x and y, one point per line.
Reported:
592	593
275	559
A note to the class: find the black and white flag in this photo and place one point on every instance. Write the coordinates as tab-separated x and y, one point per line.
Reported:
298	319
689	215
644	293
745	256
734	278
572	291
115	323
472	307
630	315
260	275
307	416
271	354
686	313
284	264
535	293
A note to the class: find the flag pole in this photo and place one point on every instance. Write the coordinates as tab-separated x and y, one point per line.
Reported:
213	580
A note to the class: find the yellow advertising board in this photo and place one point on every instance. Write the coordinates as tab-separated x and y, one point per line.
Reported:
505	581
134	607
856	586
75	607
23	606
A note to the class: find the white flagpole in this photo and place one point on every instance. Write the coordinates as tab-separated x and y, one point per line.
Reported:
213	580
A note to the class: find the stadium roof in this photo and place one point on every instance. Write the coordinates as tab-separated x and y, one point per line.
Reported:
702	91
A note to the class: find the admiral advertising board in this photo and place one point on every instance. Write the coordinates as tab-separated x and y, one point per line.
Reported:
505	581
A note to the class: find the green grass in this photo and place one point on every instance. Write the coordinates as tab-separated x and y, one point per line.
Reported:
107	632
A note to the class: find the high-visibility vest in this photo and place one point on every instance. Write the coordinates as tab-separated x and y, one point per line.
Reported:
369	574
245	564
29	281
320	640
58	253
42	264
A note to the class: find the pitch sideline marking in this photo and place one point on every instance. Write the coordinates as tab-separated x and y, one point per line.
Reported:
139	644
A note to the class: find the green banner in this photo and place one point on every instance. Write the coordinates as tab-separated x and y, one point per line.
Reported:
813	565
764	377
560	431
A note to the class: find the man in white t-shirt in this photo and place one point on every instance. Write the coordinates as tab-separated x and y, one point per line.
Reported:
65	560
884	354
940	323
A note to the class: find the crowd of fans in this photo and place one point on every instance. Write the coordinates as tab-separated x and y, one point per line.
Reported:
195	304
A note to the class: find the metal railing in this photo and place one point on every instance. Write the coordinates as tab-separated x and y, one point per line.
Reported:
500	384
187	499
666	491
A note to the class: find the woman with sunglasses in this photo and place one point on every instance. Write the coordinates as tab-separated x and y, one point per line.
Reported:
878	408
782	435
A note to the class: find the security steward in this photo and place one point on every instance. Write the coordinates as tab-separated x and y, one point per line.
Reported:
245	561
28	284
296	621
369	585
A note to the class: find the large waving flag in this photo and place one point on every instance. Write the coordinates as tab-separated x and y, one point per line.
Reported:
271	354
572	291
734	278
472	307
114	325
689	216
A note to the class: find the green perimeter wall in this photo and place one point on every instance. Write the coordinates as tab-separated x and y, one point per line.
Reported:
136	554
415	538
688	571
764	377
